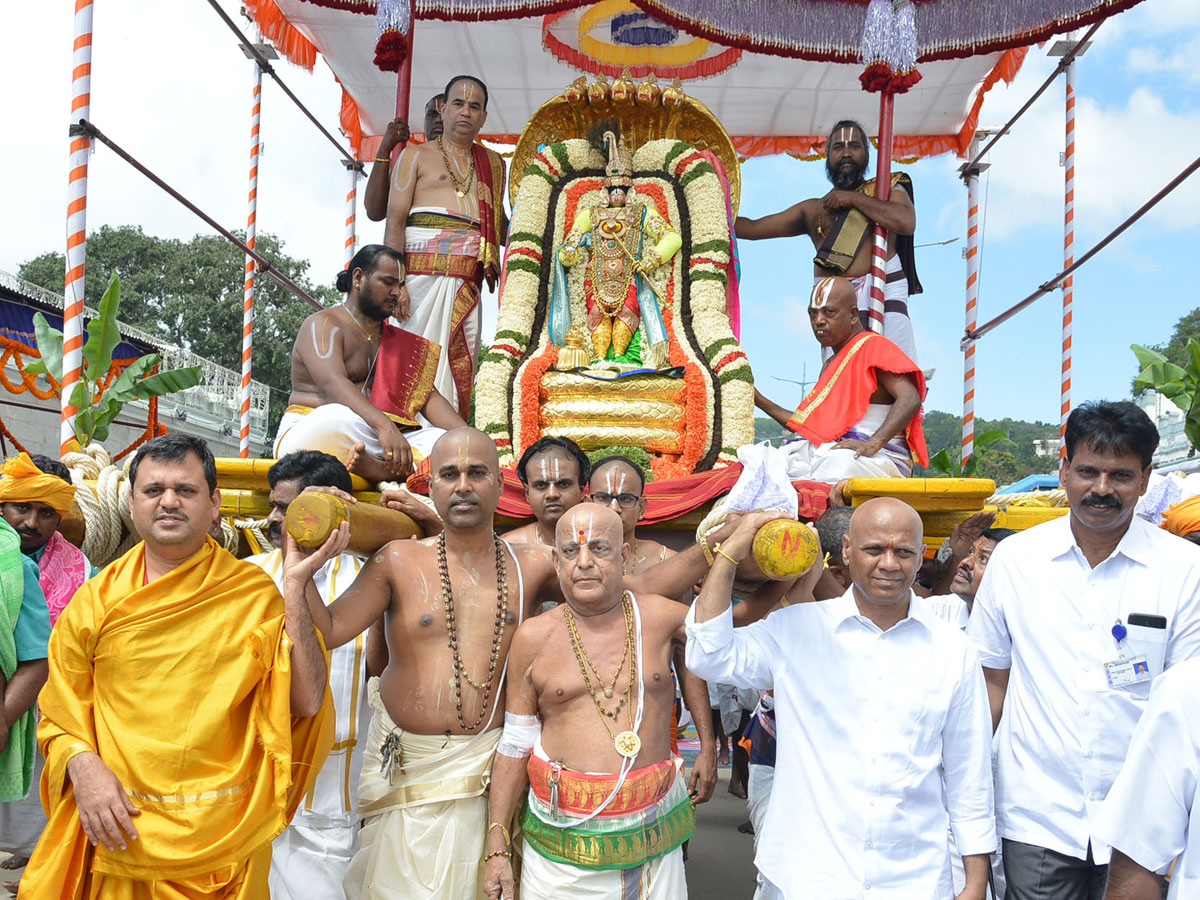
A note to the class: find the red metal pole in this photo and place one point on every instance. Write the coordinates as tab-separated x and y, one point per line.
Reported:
883	190
404	86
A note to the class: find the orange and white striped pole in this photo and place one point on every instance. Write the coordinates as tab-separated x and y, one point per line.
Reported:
81	146
972	312
248	292
351	213
1068	293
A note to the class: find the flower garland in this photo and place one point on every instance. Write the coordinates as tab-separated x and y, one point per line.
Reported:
717	381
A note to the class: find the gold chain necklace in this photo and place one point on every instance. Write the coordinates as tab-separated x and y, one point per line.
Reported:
353	318
633	560
460	673
461	186
581	657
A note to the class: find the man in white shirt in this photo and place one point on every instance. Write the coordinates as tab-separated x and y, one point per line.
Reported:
310	857
1151	810
882	723
1072	621
955	607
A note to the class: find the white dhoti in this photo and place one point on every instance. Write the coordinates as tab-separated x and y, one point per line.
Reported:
440	299
821	462
423	835
335	429
897	326
310	857
661	878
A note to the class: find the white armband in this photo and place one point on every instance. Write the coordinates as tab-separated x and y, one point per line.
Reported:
519	735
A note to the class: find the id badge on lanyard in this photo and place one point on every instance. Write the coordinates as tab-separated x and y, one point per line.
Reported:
1125	669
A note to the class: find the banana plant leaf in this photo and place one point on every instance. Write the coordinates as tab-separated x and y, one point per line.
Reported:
103	333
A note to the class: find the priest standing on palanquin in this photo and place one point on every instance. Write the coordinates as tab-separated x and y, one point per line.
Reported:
628	239
362	389
839	225
863	416
445	212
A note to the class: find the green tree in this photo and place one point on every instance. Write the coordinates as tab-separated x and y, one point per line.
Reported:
189	293
1175	350
766	429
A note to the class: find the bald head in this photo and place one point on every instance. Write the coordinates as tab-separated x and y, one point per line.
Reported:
833	311
464	479
883	550
588	521
590	555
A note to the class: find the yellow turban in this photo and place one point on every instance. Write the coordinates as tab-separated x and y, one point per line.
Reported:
23	482
1184	517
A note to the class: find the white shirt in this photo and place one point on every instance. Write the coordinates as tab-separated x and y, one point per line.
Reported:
333	798
884	740
1152	810
950	607
1045	614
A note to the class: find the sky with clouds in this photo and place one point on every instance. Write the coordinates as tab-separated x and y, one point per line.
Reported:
182	106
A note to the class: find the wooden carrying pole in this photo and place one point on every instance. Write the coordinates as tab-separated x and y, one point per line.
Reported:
314	515
883	191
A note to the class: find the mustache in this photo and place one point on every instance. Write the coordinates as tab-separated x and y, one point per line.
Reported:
274	530
966	574
1101	501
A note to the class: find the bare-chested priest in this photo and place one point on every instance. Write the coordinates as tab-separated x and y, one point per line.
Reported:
586	726
446	212
554	472
839	225
863	416
451	605
359	383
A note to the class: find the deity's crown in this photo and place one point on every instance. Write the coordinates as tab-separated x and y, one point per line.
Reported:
618	172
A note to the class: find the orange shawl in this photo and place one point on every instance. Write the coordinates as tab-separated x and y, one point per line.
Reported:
182	686
841	395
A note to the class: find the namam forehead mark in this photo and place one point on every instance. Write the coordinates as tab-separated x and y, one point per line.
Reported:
616	476
821	293
845	134
323	331
582	525
549	467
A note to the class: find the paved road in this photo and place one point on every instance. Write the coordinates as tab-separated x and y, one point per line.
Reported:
720	862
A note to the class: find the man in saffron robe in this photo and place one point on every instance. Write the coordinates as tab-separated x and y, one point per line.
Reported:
445	213
863	416
186	712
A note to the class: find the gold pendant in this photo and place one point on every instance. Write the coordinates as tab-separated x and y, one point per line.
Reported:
628	744
460	194
608	693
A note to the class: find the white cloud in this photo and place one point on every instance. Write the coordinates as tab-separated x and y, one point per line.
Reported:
1124	155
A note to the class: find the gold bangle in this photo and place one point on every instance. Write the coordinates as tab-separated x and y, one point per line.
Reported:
708	555
717	549
495	853
503	831
383	159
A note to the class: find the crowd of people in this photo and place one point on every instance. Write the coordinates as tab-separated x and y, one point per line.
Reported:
471	715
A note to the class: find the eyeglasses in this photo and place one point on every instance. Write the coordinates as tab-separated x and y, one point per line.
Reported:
625	501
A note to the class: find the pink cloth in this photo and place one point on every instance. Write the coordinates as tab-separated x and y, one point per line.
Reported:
62	569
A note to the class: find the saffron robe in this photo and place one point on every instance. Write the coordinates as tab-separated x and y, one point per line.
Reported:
842	394
182	686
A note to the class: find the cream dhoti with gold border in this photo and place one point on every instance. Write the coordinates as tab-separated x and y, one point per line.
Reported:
310	857
422	837
334	429
441	251
631	850
823	463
